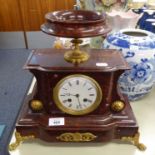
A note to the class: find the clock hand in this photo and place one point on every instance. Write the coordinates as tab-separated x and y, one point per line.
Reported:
68	94
77	96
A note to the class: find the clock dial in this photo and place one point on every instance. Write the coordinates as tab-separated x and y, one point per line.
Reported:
77	94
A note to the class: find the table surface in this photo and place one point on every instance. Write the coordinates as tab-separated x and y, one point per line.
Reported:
144	111
14	82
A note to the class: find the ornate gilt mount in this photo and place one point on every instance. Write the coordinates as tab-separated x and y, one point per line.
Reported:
76	137
76	56
135	141
19	139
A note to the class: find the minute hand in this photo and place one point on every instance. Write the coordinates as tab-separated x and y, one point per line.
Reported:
79	100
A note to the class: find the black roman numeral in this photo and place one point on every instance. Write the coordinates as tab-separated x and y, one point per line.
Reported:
88	100
70	105
69	84
84	105
64	101
77	82
62	95
78	107
84	84
91	94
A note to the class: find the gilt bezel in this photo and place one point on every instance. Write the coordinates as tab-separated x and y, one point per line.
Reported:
79	112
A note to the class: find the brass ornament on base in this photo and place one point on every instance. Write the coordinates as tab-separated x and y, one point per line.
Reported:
135	141
19	140
76	137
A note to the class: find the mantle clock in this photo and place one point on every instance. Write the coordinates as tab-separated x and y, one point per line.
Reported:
76	97
77	103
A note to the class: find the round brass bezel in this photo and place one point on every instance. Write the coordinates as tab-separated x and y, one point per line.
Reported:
75	112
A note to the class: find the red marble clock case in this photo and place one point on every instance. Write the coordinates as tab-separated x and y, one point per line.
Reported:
49	66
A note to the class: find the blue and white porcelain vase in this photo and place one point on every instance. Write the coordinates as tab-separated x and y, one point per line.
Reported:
138	48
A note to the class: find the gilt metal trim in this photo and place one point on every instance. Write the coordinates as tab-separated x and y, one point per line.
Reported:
76	137
135	140
19	140
117	106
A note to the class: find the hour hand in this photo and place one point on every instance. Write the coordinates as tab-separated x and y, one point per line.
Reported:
69	94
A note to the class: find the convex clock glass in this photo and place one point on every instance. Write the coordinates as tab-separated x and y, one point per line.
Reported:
77	94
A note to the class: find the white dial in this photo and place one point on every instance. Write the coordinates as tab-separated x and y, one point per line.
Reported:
77	94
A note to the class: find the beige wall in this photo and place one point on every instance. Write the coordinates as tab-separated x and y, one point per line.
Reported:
151	1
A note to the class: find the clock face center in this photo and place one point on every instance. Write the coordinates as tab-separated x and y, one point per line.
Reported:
77	95
74	93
